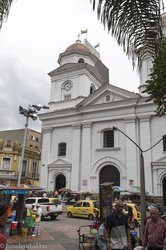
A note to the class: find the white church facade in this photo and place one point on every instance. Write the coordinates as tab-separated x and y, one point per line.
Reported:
80	148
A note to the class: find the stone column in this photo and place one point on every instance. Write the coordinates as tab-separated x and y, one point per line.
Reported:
76	147
154	179
145	142
45	157
132	159
86	156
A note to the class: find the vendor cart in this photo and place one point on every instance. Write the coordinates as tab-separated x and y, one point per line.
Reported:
87	237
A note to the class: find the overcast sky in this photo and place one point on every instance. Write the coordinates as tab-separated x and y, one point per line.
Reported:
36	32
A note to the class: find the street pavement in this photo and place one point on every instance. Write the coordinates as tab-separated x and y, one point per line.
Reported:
60	234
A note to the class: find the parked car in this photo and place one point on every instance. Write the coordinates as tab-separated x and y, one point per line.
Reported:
48	208
84	209
163	213
56	201
136	212
151	205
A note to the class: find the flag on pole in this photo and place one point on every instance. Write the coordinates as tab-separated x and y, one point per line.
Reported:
97	45
84	31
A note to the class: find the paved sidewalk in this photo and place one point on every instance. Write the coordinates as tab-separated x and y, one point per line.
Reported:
58	240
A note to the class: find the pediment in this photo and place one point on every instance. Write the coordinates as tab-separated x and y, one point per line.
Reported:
59	163
100	95
160	161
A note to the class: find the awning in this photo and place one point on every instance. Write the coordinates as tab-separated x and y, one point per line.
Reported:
22	189
14	191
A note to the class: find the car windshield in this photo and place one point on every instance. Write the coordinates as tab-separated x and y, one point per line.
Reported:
137	208
30	201
43	200
56	202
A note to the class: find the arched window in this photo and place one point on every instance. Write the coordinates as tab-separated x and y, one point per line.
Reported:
107	98
108	138
62	149
81	60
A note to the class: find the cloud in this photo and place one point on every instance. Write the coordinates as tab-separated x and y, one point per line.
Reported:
20	85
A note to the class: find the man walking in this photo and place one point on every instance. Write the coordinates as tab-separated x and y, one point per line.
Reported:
117	226
155	231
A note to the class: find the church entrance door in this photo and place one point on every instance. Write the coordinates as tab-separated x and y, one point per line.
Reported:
109	173
60	182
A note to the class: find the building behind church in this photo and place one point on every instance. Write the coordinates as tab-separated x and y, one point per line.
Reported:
10	156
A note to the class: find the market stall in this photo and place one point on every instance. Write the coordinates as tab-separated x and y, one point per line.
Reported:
15	221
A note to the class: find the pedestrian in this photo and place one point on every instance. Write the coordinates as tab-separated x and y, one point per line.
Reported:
164	244
2	242
37	221
29	220
96	223
118	228
3	218
155	231
130	217
102	236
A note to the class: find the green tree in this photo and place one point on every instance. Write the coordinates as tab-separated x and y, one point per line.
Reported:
137	27
156	85
135	24
4	10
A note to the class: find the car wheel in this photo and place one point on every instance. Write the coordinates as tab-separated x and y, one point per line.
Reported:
69	214
90	216
53	216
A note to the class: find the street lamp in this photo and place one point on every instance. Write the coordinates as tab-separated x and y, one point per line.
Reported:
30	112
142	182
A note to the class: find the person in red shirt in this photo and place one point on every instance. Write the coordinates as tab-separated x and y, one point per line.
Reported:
2	242
155	231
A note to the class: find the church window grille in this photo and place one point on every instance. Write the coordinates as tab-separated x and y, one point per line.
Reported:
164	143
62	149
108	138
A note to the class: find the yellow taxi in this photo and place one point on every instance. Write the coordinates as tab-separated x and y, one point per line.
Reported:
136	213
84	209
56	201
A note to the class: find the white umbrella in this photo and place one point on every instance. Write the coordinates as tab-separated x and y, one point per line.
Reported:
118	189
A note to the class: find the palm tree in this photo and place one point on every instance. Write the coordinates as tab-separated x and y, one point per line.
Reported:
135	24
4	10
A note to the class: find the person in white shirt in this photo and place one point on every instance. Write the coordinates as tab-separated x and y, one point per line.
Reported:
37	221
